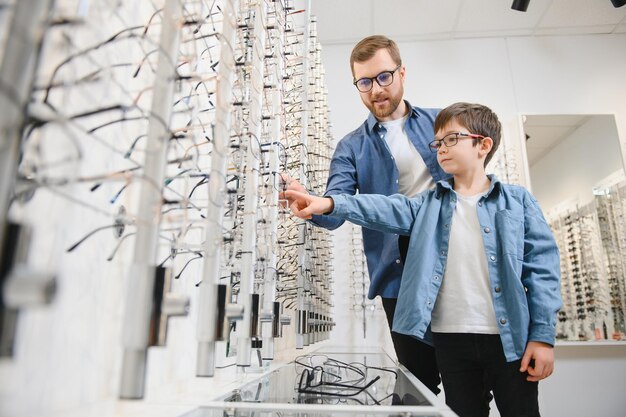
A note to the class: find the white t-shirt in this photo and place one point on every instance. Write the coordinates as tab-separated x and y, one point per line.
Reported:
414	176
464	303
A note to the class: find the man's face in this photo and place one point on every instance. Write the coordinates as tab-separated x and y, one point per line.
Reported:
383	102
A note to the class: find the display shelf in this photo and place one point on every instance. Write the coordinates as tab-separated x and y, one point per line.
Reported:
570	343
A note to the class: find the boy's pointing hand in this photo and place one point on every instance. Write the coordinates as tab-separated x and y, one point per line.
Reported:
305	206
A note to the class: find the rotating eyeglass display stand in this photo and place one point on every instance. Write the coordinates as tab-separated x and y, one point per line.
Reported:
331	383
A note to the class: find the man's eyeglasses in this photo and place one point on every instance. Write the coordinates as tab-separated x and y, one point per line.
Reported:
383	79
451	139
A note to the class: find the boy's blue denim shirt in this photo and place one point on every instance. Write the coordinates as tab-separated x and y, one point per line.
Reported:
522	256
362	162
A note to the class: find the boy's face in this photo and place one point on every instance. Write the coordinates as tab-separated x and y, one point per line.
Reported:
463	157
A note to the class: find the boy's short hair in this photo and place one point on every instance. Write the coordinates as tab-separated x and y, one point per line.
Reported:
368	47
478	119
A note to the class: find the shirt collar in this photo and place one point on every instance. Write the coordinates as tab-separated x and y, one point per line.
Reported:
448	185
372	122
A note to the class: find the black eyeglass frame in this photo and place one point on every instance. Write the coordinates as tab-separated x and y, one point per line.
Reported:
372	79
436	144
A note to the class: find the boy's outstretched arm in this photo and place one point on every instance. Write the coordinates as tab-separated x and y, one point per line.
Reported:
305	205
542	354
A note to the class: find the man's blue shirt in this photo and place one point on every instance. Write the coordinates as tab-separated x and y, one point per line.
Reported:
522	257
363	163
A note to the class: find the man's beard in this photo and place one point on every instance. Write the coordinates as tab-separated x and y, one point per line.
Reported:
388	110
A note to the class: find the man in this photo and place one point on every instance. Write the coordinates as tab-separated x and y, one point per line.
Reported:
379	157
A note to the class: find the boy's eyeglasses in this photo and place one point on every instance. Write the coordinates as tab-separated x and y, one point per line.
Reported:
383	79
451	139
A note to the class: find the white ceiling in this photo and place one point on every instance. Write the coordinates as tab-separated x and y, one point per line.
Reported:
348	21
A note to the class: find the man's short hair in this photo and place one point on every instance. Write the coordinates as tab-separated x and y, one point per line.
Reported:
478	119
368	47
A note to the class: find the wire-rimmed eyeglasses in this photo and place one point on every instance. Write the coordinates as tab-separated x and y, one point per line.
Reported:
383	79
451	139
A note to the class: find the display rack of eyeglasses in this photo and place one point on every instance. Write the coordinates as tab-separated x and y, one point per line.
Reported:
611	210
331	384
593	278
168	123
361	305
505	164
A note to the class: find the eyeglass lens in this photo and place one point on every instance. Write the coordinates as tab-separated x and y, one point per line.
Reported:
449	140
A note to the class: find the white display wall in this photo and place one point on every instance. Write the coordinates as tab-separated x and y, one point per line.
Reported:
154	85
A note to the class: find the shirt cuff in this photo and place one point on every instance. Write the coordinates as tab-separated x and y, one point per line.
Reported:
339	205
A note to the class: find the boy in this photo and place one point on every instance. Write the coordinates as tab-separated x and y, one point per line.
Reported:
482	271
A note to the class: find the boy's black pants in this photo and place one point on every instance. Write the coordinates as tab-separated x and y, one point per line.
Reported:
470	364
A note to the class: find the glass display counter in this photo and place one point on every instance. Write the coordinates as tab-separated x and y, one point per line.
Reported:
331	384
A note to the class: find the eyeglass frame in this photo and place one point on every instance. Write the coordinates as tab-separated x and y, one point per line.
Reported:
372	79
462	135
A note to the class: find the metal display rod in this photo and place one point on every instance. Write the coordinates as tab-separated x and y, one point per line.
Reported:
211	310
21	56
249	324
141	280
19	287
273	328
303	294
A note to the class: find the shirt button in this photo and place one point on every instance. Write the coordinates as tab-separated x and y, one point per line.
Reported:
503	321
436	277
443	252
487	230
429	303
480	204
498	289
397	181
493	258
398	261
446	225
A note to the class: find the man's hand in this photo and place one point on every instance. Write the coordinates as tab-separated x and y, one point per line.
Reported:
543	356
304	206
288	183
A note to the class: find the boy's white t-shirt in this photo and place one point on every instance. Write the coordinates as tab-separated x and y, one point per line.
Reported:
414	176
464	303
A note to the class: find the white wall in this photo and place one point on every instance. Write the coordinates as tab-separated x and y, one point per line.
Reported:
514	76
